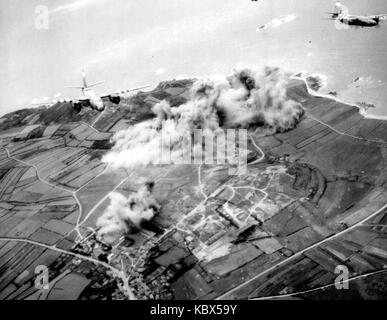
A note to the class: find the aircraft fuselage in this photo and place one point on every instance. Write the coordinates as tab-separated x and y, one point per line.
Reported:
361	21
95	101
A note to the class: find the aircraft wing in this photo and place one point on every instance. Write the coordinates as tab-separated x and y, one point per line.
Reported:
382	16
332	14
119	92
84	101
44	103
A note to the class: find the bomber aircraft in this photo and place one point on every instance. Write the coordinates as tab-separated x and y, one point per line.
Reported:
92	100
341	14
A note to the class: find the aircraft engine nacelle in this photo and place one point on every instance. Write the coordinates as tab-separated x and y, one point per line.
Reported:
77	106
115	99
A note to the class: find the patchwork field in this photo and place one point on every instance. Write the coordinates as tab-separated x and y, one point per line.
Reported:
314	198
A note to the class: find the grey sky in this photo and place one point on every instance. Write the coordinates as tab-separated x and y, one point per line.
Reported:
132	42
119	40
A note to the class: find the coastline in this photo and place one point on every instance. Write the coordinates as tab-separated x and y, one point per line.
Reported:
362	111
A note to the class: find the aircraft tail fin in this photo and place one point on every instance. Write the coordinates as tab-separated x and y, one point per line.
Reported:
84	83
74	87
84	79
95	84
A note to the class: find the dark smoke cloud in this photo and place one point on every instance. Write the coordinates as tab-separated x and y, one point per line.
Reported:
245	99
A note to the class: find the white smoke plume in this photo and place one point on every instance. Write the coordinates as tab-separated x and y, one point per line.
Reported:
127	214
243	100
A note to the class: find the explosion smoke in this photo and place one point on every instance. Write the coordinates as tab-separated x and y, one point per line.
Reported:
316	81
126	215
243	100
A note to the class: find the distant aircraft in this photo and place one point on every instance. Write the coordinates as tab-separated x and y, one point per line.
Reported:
91	99
355	20
361	21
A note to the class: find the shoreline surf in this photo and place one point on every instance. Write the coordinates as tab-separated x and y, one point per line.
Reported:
361	109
